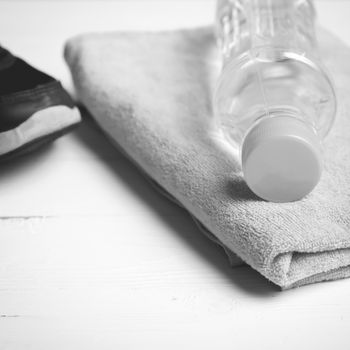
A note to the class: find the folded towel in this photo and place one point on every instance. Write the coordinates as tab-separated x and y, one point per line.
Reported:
151	93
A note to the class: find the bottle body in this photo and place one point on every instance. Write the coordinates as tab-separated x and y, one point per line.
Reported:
271	65
271	68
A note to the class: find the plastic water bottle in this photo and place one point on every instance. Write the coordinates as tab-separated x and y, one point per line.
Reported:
274	101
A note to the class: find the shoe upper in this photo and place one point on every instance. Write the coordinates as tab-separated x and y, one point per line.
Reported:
25	90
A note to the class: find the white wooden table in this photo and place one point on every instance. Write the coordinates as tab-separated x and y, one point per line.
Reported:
91	257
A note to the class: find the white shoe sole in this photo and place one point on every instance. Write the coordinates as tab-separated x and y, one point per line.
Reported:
41	124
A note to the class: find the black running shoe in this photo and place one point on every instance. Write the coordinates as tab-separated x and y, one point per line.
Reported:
34	107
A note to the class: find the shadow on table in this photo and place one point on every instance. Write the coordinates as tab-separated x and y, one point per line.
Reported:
243	277
23	162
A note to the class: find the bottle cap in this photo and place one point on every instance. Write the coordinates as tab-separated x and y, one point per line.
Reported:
281	159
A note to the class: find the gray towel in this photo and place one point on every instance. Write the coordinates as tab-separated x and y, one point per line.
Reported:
151	93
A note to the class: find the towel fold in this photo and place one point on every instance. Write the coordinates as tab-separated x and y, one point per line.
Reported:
151	93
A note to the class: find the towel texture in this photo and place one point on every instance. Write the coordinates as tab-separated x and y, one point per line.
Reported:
151	93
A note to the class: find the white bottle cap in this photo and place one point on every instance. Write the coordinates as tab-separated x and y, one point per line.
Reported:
281	159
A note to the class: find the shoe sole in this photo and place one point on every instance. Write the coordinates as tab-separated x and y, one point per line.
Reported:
41	128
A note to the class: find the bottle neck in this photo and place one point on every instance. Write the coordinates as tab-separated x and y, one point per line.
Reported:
282	112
